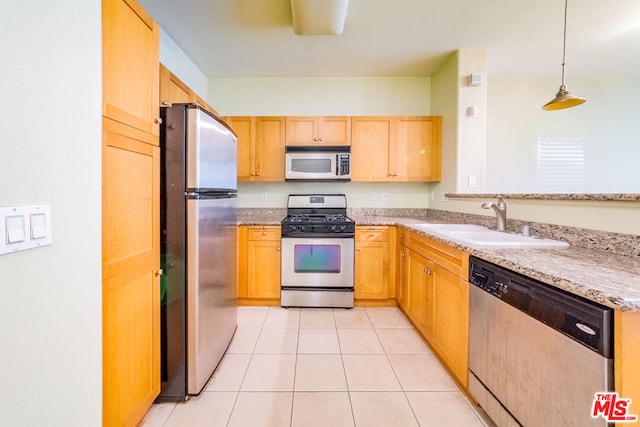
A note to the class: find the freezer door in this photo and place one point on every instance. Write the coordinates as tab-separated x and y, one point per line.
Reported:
211	153
211	285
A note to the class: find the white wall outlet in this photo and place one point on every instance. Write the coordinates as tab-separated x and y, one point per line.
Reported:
373	195
385	196
474	79
444	196
472	181
432	195
264	196
472	111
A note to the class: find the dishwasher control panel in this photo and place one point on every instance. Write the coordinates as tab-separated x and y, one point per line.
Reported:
488	281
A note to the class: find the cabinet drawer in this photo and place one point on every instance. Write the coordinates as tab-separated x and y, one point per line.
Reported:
264	233
372	234
452	259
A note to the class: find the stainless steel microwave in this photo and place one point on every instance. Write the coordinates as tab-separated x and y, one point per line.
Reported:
313	163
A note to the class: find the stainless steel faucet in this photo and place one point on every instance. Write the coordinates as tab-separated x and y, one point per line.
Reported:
501	212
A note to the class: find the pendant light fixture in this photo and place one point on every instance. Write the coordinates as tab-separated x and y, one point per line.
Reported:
563	98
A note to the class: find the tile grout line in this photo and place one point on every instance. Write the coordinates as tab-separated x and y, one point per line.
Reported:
235	402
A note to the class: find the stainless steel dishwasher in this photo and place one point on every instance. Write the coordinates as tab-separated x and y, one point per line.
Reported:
537	354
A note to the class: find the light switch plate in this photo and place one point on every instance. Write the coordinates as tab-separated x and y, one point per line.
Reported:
24	227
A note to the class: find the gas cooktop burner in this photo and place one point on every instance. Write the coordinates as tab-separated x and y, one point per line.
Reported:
315	215
302	218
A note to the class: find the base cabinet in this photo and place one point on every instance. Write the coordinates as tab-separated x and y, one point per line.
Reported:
259	265
372	263
432	290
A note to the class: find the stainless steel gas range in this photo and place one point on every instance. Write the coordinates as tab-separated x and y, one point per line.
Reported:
317	252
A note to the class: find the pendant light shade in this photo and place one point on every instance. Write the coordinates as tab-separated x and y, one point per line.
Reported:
563	98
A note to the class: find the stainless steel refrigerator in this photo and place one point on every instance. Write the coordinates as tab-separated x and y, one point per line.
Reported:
198	247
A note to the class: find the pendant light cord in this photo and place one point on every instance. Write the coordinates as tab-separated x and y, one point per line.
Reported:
564	42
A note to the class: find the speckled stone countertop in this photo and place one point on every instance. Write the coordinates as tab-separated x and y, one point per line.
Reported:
261	216
610	279
553	196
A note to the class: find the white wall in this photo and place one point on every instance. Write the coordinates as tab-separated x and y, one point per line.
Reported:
50	153
602	134
351	96
174	58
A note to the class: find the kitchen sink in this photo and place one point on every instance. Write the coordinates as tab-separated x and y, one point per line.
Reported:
446	228
479	236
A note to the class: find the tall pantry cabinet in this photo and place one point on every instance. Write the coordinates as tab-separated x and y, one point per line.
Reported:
130	212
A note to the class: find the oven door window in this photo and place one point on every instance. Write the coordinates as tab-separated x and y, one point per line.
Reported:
316	258
311	165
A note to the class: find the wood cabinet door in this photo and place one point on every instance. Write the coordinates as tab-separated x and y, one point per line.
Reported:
130	65
302	130
130	262
334	130
371	139
263	278
416	155
371	269
402	287
245	129
450	336
421	292
270	144
172	89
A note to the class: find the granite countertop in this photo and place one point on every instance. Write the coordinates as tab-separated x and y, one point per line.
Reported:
261	216
611	280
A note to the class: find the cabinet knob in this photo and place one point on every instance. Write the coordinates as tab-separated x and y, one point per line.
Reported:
320	139
253	174
159	272
402	236
278	249
426	270
264	233
358	249
158	120
165	103
258	174
371	234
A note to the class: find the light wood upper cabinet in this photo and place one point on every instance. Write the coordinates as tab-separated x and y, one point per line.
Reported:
173	90
130	65
260	147
371	262
415	156
309	130
245	129
395	149
371	142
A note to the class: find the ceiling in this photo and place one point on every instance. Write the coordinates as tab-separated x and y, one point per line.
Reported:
255	38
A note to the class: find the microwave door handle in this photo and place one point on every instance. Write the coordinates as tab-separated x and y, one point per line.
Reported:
337	164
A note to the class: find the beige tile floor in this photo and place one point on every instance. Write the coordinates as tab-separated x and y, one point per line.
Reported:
323	367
